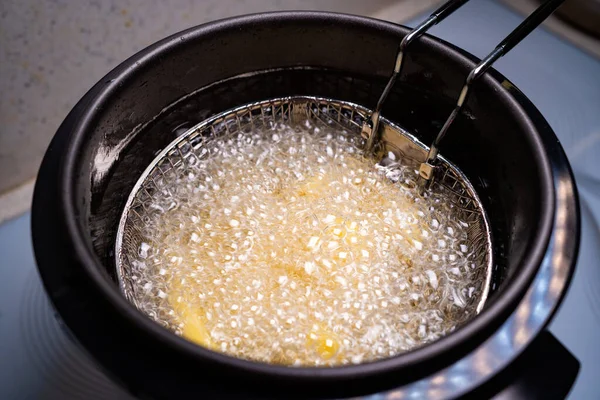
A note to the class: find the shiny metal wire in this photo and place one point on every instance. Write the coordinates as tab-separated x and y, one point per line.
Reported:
187	148
427	169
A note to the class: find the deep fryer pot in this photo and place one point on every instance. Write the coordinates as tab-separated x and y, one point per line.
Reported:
501	142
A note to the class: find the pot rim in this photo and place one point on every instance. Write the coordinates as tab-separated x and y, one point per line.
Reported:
426	359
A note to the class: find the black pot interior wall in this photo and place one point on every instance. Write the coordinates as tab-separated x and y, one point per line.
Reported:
488	142
501	176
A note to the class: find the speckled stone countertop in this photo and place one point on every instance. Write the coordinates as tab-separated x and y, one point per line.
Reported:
52	52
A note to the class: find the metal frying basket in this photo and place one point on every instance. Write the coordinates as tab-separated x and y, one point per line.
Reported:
188	148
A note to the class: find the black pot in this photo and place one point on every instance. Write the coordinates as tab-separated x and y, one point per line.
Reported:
501	142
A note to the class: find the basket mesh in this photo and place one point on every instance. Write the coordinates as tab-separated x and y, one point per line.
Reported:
188	149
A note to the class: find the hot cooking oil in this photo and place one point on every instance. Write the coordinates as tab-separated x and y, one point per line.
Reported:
287	246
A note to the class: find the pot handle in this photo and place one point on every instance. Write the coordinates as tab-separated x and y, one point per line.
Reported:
545	370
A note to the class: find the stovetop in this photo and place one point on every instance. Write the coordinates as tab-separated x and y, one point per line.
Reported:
38	360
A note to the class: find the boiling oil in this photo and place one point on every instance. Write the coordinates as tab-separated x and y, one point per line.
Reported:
286	245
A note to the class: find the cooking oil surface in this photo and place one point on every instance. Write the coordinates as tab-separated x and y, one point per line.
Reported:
287	246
